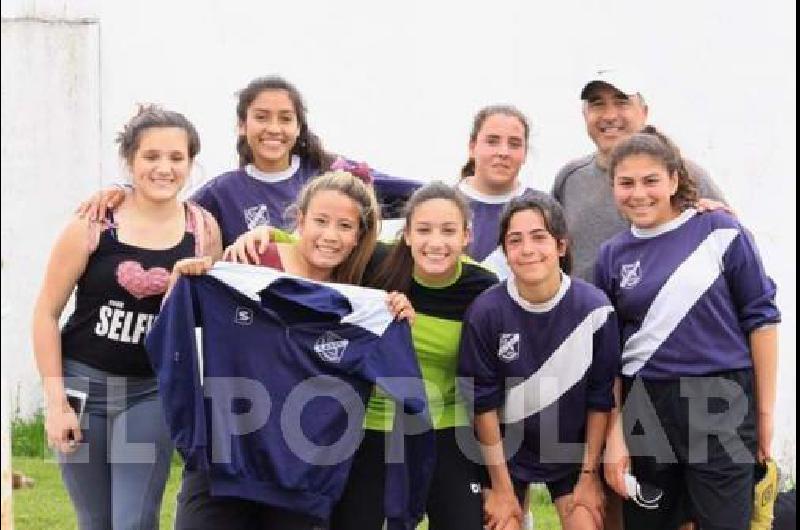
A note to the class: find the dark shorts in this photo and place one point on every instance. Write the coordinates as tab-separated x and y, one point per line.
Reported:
702	454
557	488
198	510
454	499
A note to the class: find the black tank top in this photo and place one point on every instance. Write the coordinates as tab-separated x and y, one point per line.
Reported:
117	298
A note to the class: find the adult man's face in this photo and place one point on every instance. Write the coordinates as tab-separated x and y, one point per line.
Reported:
611	117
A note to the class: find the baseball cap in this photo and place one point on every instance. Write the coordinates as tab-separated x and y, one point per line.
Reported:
622	80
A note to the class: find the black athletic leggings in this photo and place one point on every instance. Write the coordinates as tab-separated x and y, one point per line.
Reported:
198	510
454	501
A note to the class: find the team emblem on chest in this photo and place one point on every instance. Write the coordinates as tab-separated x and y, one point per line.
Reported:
256	216
330	347
509	347
630	275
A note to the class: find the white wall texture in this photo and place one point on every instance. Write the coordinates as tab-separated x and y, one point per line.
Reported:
395	85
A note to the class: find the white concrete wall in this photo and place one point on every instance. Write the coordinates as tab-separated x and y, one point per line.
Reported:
397	85
50	157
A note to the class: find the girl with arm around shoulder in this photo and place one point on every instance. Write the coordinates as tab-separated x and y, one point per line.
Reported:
278	154
115	461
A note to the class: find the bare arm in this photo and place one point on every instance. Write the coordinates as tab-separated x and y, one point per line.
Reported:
501	508
596	425
617	459
588	491
764	349
249	246
67	262
214	249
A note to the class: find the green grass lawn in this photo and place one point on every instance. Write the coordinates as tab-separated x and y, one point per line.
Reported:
47	505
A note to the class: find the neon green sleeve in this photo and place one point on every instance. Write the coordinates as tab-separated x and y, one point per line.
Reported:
282	236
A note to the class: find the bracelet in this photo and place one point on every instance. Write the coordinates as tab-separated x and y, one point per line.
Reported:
589	471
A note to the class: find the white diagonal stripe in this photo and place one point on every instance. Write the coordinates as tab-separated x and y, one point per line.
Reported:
678	295
565	367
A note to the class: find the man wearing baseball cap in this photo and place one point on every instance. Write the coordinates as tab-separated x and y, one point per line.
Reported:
614	109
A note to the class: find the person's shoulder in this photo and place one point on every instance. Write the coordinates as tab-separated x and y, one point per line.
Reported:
588	294
574	165
82	235
79	227
696	170
717	219
617	240
707	187
611	248
221	181
569	169
490	301
307	169
476	274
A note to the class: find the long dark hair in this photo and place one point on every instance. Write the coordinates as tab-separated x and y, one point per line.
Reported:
555	222
509	110
396	271
652	142
308	145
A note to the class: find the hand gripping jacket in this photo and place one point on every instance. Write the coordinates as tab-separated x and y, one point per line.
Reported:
274	409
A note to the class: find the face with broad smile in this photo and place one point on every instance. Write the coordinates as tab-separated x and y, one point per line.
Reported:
612	116
328	229
271	129
499	152
436	234
161	163
643	190
531	250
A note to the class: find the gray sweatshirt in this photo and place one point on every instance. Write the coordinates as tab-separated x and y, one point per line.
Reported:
584	190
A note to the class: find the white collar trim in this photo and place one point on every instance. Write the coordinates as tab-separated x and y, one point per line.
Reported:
543	307
274	176
648	233
467	189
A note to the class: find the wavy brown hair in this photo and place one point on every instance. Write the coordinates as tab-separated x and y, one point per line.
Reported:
652	142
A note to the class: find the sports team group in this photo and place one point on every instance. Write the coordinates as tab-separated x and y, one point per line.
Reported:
614	340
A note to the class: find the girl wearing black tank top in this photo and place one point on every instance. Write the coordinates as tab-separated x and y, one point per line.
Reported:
115	459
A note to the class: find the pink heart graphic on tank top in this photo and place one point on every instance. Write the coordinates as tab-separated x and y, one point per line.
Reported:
142	283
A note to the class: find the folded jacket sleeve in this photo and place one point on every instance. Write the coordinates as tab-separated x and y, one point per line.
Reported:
412	444
393	193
